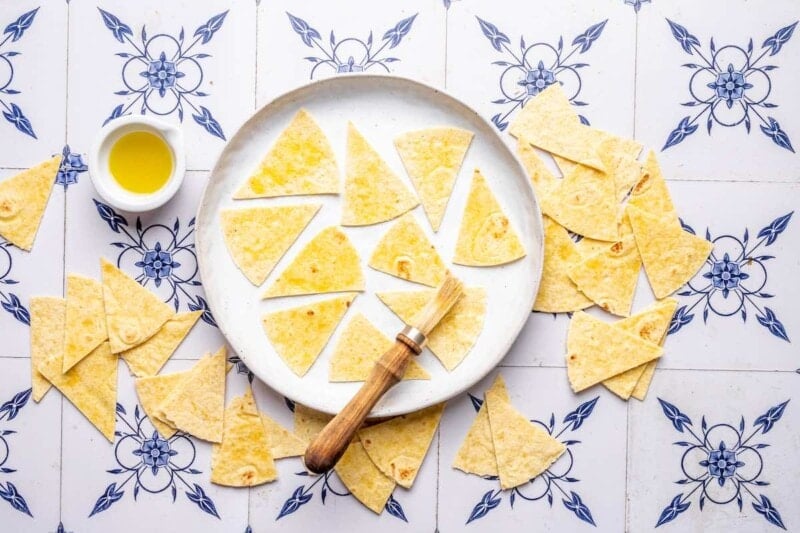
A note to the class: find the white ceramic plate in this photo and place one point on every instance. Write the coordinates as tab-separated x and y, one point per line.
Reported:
381	107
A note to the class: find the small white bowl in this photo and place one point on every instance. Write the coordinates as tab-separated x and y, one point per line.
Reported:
108	188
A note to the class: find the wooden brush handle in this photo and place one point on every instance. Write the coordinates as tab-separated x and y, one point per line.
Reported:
326	449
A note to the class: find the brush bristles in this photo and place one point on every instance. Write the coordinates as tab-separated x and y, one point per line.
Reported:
447	295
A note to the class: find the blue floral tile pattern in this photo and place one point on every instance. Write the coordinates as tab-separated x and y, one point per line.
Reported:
722	464
734	279
12	33
637	4
162	74
351	54
152	464
71	167
9	301
556	480
8	412
535	66
730	85
162	256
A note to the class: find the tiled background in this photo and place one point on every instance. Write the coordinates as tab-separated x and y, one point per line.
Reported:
635	67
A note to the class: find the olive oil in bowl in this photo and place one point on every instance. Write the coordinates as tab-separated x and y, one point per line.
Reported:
141	162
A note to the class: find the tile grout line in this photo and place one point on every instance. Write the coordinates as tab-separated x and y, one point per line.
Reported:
635	69
627	456
255	66
438	475
446	21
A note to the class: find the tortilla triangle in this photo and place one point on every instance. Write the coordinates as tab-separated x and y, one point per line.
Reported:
197	403
476	454
243	458
308	422
542	179
651	195
523	449
597	350
152	391
257	237
453	338
363	479
360	346
23	198
486	236
548	122
651	324
329	263
619	156
671	256
609	278
133	313
372	191
90	385
282	442
406	252
640	390
86	319
300	162
557	293
47	315
585	203
432	158
398	446
317	322
147	358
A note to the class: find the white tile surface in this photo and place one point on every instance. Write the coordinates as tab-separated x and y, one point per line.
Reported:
33	57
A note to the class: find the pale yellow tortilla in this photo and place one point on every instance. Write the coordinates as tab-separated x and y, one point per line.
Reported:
476	454
432	158
523	449
300	162
548	122
328	263
406	252
486	237
671	256
308	422
398	446
299	334
152	391
585	203
23	198
282	442
133	313
372	191
453	338
197	403
651	194
651	324
147	358
597	350
363	479
542	179
557	293
620	161
359	347
47	338
86	319
243	458
257	237
640	390
91	386
609	278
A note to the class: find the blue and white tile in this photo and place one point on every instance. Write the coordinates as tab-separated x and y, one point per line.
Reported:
301	42
135	242
33	80
30	448
104	484
578	492
715	451
501	54
190	66
25	274
716	88
298	501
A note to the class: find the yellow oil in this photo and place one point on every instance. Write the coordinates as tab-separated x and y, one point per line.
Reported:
141	162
